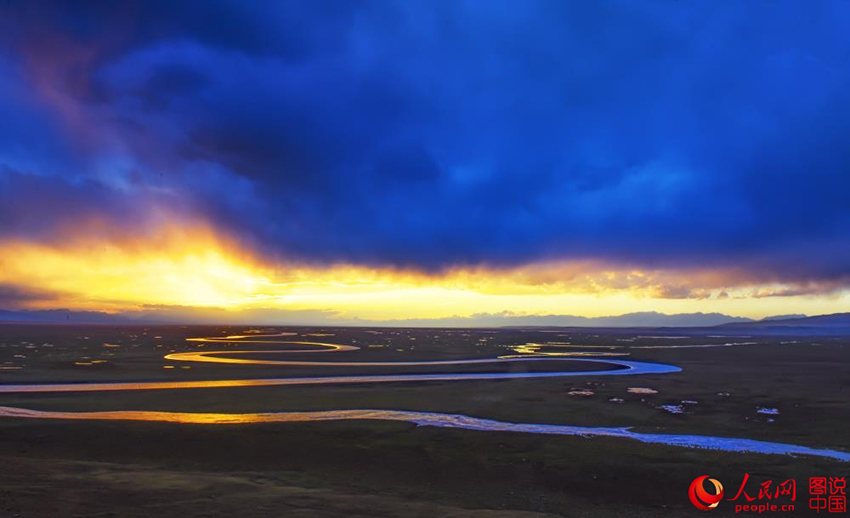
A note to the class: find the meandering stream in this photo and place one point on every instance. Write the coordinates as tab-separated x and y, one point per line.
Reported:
445	420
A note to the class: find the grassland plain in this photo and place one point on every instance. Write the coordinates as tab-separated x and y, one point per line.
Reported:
368	468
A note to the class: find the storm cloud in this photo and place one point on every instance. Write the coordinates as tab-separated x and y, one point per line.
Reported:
431	135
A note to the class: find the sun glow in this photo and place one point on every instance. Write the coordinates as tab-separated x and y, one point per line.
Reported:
105	274
195	268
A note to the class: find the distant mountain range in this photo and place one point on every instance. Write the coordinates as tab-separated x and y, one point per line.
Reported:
54	316
783	317
640	319
181	315
834	324
282	317
697	323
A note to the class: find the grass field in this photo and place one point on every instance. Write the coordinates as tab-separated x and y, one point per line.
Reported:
369	468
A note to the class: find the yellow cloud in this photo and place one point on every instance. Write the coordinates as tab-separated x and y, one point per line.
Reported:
192	266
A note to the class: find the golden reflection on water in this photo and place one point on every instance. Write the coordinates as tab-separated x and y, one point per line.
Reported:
220	356
207	356
141	415
577	354
419	418
535	349
621	367
437	419
241	338
216	357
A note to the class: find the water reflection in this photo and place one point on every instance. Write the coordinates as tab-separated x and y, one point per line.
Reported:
320	347
616	367
621	367
460	421
216	356
222	357
241	338
624	368
538	348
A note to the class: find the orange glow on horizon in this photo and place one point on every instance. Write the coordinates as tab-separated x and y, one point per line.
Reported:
195	268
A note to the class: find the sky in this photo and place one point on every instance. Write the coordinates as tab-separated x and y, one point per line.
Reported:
395	160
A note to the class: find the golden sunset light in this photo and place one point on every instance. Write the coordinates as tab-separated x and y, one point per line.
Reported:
195	269
424	258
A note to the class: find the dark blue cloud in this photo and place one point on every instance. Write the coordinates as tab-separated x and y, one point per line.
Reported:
433	134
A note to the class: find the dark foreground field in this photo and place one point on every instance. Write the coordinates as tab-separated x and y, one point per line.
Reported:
375	469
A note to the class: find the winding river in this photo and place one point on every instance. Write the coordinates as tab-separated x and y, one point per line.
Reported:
444	420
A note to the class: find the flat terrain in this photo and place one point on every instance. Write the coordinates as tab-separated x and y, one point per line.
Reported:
370	468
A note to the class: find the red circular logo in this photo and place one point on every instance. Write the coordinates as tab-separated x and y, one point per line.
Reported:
701	498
